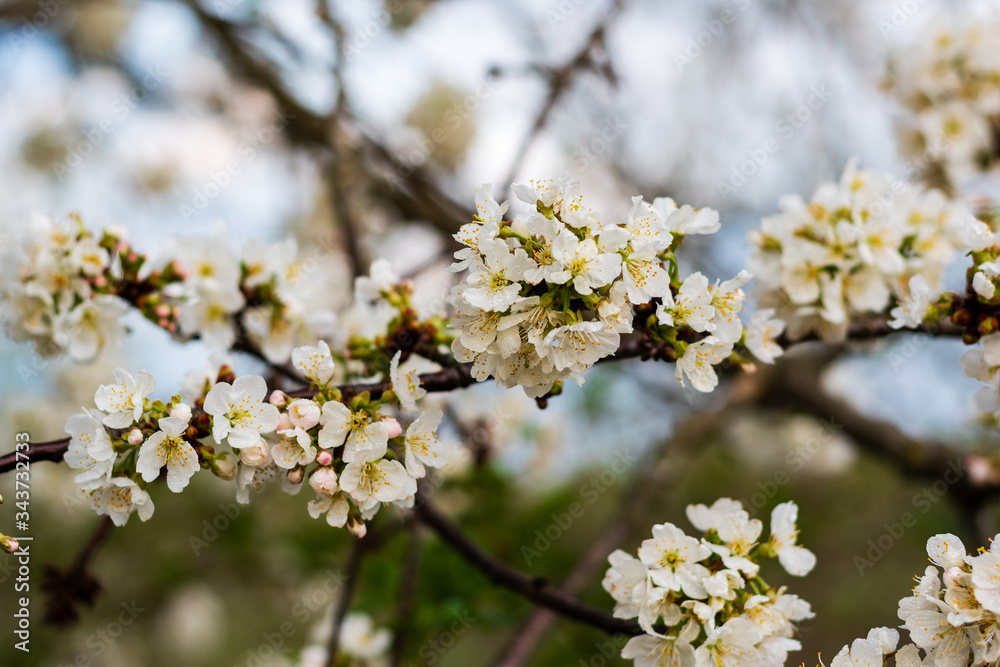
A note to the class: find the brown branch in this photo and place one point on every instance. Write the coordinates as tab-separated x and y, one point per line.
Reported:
796	386
75	585
358	552
877	326
536	590
651	479
407	594
448	379
415	194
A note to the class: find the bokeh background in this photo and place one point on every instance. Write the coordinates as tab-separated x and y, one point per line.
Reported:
126	112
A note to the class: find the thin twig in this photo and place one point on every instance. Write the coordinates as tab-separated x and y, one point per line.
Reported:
559	80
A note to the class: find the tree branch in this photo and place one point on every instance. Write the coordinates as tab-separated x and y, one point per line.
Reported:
74	585
536	590
346	594
407	593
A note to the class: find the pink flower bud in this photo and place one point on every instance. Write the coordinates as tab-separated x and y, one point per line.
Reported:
9	544
324	458
181	411
392	426
324	480
303	413
100	281
284	423
278	398
163	310
295	475
135	437
356	527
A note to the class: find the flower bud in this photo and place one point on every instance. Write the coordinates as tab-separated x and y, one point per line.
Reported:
8	544
392	426
254	456
224	466
324	458
278	398
324	480
356	526
135	437
181	411
303	413
295	475
953	576
117	232
987	324
961	317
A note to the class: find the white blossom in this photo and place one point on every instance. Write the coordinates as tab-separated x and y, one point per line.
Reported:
119	498
238	412
123	401
167	447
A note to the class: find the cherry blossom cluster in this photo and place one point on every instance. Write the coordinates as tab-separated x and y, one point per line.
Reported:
268	293
59	285
67	290
549	293
950	79
701	601
858	246
352	451
953	616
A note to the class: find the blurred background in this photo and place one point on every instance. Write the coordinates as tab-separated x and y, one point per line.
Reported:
163	117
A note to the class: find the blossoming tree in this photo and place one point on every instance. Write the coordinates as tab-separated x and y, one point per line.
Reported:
355	395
